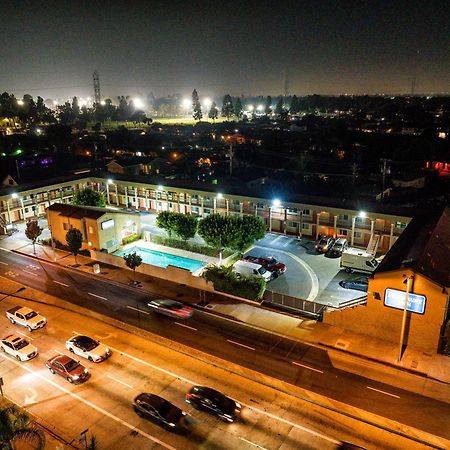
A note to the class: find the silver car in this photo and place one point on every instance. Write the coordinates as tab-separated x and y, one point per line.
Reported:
88	348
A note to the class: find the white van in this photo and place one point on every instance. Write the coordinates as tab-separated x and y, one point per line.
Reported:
355	260
247	268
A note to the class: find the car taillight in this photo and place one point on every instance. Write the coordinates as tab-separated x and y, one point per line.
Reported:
188	395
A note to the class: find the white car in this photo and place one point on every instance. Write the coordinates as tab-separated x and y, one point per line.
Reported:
88	348
18	347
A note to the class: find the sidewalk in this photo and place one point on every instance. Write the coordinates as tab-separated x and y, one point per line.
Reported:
315	333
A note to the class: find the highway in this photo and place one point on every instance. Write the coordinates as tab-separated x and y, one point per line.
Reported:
292	362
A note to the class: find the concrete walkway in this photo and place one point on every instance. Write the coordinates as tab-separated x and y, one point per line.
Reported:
334	338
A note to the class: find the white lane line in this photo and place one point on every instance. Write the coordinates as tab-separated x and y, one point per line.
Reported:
26	335
119	381
252	443
98	296
57	351
307	367
5	264
59	282
251	407
138	310
93	406
242	345
185	326
276	239
31	273
382	392
5	250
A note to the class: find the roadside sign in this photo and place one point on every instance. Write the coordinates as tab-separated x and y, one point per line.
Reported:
396	299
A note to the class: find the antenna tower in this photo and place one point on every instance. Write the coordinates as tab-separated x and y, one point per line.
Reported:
97	96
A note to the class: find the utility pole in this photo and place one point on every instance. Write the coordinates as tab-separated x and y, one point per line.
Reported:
97	96
385	169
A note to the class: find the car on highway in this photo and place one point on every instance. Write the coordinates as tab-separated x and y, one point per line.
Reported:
68	368
213	402
171	308
358	284
18	347
22	315
269	263
88	348
324	244
160	411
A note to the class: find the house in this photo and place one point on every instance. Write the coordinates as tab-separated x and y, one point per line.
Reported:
418	263
102	229
129	166
8	181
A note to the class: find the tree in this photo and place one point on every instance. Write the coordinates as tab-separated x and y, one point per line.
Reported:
88	197
279	107
227	106
213	113
32	232
196	106
133	261
268	107
252	229
301	160
220	231
17	431
238	108
295	105
185	226
167	221
74	240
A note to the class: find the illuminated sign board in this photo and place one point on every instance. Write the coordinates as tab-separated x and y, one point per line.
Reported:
396	299
107	224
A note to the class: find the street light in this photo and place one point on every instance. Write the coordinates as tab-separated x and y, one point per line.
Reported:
276	203
362	214
20	102
138	103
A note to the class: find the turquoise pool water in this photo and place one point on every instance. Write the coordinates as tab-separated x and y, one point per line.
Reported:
162	259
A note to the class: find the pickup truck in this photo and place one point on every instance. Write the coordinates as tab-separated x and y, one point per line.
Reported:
26	317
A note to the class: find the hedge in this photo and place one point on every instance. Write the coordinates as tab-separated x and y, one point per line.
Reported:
131	238
61	246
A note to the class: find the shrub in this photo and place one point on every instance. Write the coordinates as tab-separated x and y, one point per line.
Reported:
61	246
190	246
131	238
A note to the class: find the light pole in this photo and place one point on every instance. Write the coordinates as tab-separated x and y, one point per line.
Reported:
408	281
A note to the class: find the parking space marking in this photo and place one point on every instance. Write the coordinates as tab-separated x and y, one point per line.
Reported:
62	284
276	239
382	392
242	345
307	367
185	326
98	296
119	381
26	335
138	310
252	443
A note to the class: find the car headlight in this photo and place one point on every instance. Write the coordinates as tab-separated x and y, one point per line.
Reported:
171	424
238	405
75	377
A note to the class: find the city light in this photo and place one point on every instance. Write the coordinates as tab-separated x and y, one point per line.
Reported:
160	187
219	195
138	103
110	181
250	108
187	103
362	214
207	103
276	203
14	195
20	102
260	108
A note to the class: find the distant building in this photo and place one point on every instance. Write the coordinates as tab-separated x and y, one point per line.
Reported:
421	253
102	229
129	166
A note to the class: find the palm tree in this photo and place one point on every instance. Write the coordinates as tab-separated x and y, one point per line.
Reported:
15	428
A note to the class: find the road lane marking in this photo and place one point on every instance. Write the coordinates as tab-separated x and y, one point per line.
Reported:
252	443
26	335
185	326
93	406
57	351
119	381
242	345
307	367
59	282
5	264
5	250
382	392
31	273
98	296
138	310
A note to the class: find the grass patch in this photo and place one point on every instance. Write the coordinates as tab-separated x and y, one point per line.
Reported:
190	247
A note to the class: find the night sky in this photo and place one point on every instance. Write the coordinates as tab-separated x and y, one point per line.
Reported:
239	47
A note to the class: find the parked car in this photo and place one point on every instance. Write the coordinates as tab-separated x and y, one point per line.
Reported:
18	347
88	348
338	247
359	284
324	244
171	308
213	402
159	410
26	317
68	368
268	262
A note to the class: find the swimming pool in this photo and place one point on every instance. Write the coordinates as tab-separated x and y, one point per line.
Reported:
161	259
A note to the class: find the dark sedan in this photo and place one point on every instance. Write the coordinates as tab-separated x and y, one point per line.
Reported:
159	410
171	308
359	284
213	402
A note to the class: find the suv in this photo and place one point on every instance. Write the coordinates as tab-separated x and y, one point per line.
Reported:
338	247
269	263
324	244
18	347
213	402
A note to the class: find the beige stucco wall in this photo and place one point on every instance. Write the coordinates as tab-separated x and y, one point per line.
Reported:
377	320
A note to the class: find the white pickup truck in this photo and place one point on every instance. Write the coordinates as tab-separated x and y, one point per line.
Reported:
26	317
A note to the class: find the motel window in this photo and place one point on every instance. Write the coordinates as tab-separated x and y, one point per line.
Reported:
343	232
400	225
292	211
358	234
292	224
306	212
260	205
91	230
305	226
206	211
66	226
343	217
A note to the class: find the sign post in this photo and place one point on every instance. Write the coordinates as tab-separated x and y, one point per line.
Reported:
405	309
1	384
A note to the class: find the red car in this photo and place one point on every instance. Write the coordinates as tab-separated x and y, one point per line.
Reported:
68	368
268	262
